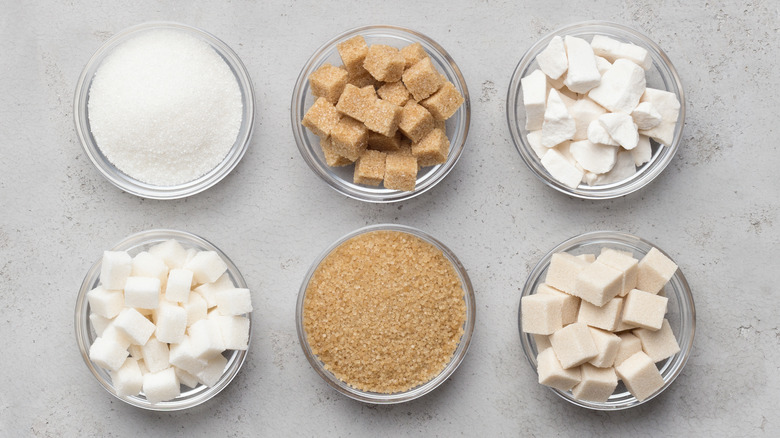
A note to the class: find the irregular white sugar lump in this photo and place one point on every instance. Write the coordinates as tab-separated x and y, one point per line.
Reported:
182	356
552	374
558	124
570	306
624	168
179	285
541	314
612	50
562	169
234	330
621	87
104	302
171	252
136	351
573	345
142	292
99	323
598	283
134	325
186	378
655	270
161	386
602	64
196	308
148	265
115	335
584	111
563	149
534	99
623	262
563	270
164	107
209	290
659	344
114	269
598	134
171	323
643	151
640	375
607	344
206	267
535	141
606	317
668	106
155	355
552	60
582	75
596	384
556	83
594	157
542	342
629	344
214	369
206	339
644	309
621	128
646	116
236	301
107	354
128	380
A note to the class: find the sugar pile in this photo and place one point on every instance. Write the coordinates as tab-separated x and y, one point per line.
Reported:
164	108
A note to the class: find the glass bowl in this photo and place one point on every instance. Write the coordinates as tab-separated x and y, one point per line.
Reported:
340	178
680	312
418	391
85	334
140	188
661	75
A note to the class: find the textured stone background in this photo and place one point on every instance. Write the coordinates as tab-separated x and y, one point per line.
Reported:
715	209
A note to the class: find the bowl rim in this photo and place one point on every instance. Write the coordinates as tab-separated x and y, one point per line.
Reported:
126	182
142	240
438	172
418	391
684	295
650	170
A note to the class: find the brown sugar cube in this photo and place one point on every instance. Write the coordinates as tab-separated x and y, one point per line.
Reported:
321	118
328	82
422	79
332	159
385	63
432	149
394	92
350	138
355	101
362	79
383	117
400	172
440	124
416	122
379	142
444	102
370	168
413	53
353	52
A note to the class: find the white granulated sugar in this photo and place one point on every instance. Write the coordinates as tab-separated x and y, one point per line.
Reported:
164	108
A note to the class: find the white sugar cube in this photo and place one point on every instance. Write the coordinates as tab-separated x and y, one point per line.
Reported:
643	151
607	344
171	252
541	314
114	269
621	87
668	106
136	351
134	325
552	374
606	317
584	111
644	309
542	342
552	60
196	308
629	344
646	116
182	356
155	355
234	330
623	262
99	323
161	386
573	345
598	134
594	157
582	74
107	354
211	374
148	265
655	270
535	141
558	125
104	302
640	375
598	283
206	267
534	99
128	379
562	169
179	285
613	50
571	304
563	271
596	384
659	344
621	128
113	334
206	339
186	378
171	323
142	292
236	301
209	290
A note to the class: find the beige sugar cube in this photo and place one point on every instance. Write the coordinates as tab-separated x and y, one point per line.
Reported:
394	92
432	149
590	258
606	317
379	142
623	326
574	345
350	138
623	262
321	118
443	103
400	172
563	271
607	344
659	344
640	375
571	304
596	384
629	344
385	63
655	270
353	52
328	82
542	342
383	117
416	122
552	374
541	314
412	54
644	309
422	79
332	159
598	283
370	168
355	102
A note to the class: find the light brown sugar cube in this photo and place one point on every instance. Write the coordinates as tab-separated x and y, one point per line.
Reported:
541	314
383	117
542	342
385	63
350	138
370	168
571	304
596	384
432	149
362	79
655	270
412	54
607	344
440	124
574	345
353	52
645	310
422	79
563	271
598	283
355	102
606	317
623	262
379	142
629	344
443	103
321	118
400	172
658	344
328	82
332	159
394	92
551	373
416	122
640	375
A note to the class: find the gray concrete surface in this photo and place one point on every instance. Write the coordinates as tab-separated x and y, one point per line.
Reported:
715	209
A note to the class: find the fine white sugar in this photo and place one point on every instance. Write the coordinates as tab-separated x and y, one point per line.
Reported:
164	108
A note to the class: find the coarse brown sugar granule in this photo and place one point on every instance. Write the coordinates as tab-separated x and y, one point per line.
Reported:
384	311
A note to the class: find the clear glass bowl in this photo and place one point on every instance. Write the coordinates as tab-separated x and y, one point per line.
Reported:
340	178
680	312
130	184
85	334
419	391
662	75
